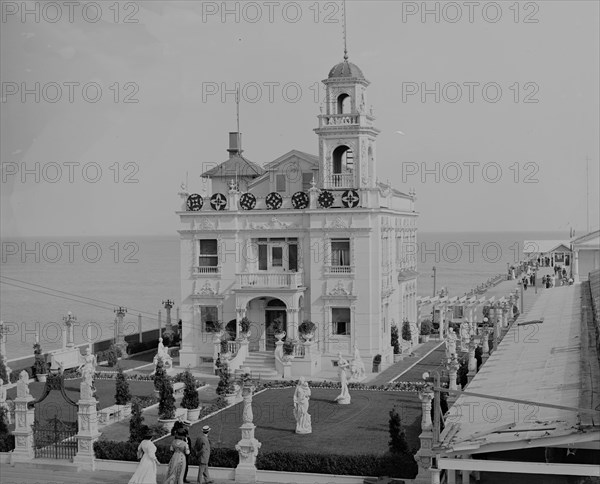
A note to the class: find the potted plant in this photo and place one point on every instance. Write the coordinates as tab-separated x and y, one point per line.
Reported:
40	367
122	393
307	330
376	363
166	406
225	354
425	331
277	326
227	387
245	328
288	349
190	400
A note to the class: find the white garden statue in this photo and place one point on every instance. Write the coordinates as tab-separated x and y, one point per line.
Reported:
451	343
344	397
163	355
357	367
23	385
87	369
301	402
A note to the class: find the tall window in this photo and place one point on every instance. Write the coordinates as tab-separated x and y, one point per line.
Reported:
340	320
278	253
306	181
208	254
458	312
208	317
340	252
280	183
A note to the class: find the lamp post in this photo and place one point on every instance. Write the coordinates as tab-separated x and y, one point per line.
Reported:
69	320
168	304
120	343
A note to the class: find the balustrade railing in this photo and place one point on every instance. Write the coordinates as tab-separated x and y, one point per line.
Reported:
270	279
233	347
339	269
197	270
298	350
340	180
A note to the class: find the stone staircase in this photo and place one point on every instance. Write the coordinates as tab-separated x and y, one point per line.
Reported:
261	364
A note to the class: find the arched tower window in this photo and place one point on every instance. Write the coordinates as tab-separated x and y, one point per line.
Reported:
344	104
343	160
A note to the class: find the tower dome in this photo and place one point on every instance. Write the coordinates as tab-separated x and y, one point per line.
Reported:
345	69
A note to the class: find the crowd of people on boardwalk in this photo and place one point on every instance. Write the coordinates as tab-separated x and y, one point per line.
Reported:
529	270
178	465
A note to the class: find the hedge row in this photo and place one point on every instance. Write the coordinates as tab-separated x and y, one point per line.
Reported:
392	465
7	442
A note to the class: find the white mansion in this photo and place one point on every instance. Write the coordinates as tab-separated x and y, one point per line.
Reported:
302	238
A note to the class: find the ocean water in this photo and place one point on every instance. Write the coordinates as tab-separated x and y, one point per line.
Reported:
42	279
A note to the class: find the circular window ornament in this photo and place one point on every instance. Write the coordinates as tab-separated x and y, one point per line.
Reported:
194	202
218	201
350	198
274	201
325	199
300	200
247	201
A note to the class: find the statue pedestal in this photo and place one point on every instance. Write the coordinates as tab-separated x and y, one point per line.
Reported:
23	432
309	364
87	419
65	358
247	448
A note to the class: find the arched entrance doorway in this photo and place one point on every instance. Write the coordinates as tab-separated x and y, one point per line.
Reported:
275	312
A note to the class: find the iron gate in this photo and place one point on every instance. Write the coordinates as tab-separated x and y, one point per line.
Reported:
55	421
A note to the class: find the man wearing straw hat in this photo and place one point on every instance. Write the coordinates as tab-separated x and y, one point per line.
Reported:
203	446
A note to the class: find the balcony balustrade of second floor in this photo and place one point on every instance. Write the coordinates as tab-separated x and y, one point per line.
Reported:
291	280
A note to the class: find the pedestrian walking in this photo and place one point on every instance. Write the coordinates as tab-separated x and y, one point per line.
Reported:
203	446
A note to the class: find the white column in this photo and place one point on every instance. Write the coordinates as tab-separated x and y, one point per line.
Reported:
87	434
576	265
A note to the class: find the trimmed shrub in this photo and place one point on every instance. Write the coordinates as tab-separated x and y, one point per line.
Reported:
166	406
307	327
397	442
426	328
406	331
395	340
160	376
3	421
3	371
122	394
7	442
190	399
137	429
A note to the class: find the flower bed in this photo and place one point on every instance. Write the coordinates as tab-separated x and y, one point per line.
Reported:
402	386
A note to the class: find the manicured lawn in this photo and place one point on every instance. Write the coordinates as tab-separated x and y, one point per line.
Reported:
361	427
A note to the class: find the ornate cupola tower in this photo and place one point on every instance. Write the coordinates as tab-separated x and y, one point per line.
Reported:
346	132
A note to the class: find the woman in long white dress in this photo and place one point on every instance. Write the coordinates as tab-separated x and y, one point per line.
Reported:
146	469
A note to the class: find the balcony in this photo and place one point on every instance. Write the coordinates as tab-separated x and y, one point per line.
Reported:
287	280
340	180
205	270
338	270
338	120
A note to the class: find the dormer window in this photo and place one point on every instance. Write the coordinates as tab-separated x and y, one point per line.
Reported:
344	104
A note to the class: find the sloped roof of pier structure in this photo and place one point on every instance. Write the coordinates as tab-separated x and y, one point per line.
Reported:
588	241
543	246
283	159
236	165
539	360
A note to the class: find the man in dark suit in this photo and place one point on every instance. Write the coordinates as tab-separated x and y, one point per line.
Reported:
203	446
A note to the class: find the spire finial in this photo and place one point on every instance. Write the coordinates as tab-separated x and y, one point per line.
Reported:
344	28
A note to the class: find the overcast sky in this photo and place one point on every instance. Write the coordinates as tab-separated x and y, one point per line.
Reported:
178	52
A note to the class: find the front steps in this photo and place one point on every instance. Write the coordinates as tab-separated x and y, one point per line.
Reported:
261	364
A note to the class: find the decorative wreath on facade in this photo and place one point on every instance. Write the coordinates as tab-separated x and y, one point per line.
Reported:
218	201
194	202
300	200
247	201
350	198
274	201
325	199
